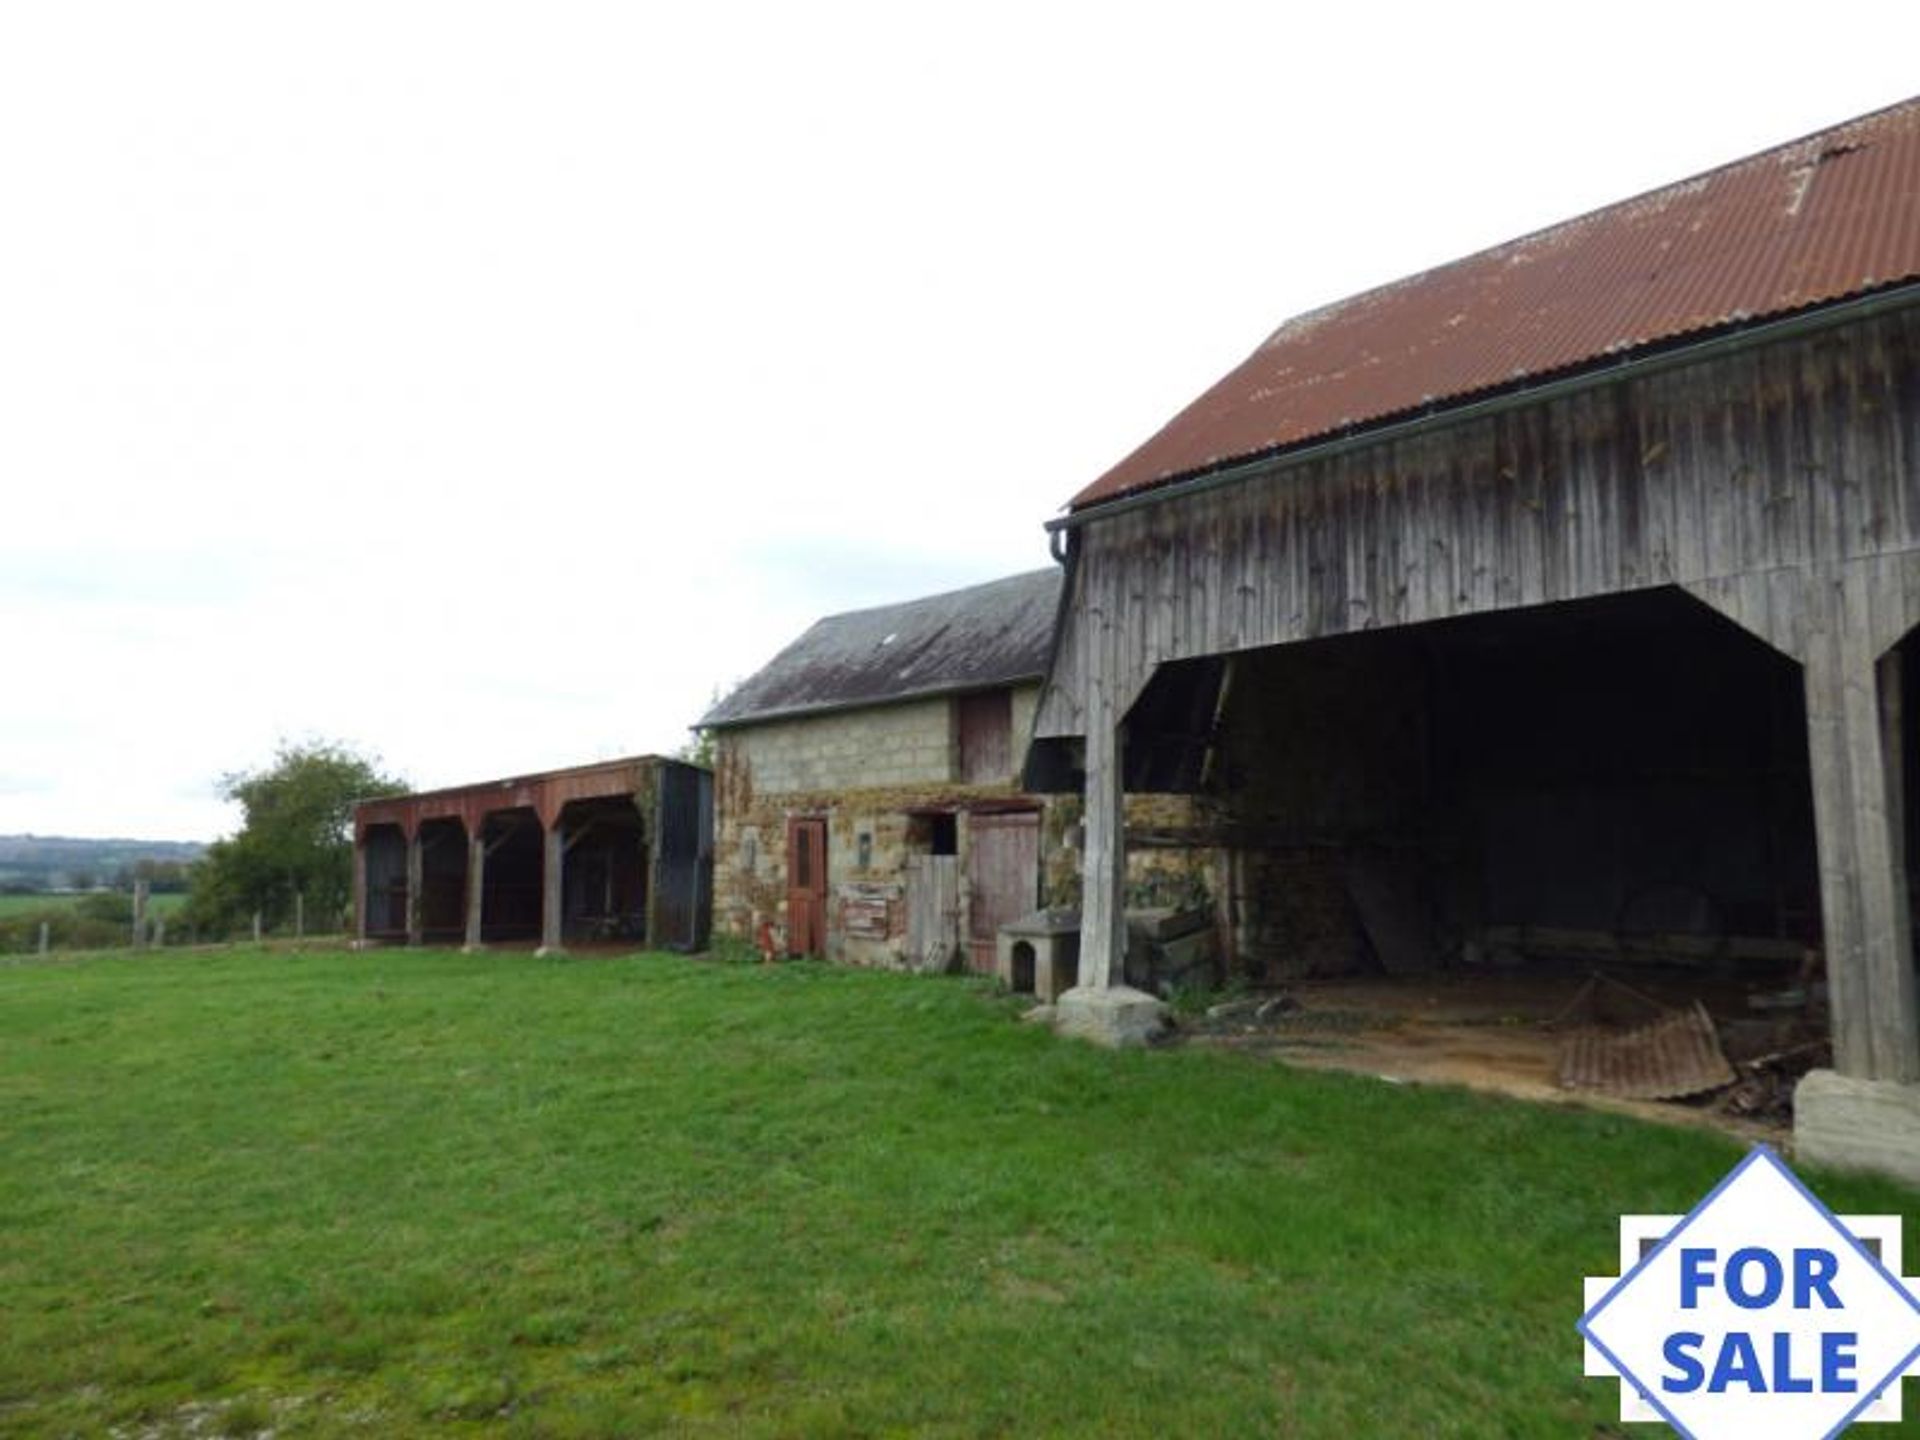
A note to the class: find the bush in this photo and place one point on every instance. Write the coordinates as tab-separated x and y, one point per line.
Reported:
67	929
109	906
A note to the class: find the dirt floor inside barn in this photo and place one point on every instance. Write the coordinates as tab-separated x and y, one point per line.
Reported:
1508	1033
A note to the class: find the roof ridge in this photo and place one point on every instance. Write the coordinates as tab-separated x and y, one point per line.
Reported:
936	595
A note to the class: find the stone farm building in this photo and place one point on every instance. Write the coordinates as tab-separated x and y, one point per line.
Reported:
620	851
867	797
1563	597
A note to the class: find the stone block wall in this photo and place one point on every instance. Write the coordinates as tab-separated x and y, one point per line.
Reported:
875	774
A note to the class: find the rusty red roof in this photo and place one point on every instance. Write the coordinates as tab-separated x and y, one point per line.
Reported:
1820	219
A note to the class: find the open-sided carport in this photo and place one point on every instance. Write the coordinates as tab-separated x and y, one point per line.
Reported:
620	851
1675	437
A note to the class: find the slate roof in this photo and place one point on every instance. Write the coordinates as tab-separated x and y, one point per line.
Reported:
983	636
1809	223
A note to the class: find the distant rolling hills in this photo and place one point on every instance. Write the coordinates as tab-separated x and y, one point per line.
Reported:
59	862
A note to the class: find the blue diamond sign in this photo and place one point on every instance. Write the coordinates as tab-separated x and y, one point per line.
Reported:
1761	1315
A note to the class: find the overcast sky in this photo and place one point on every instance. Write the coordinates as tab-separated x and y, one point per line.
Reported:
483	385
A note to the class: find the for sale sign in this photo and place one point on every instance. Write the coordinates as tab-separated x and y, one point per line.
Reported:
1761	1314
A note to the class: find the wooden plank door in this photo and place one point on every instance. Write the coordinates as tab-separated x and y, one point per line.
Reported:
806	887
1003	879
933	912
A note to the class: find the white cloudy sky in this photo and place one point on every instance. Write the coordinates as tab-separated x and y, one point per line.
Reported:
483	384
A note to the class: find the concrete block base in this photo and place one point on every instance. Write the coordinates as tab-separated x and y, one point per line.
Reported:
1115	1017
1858	1124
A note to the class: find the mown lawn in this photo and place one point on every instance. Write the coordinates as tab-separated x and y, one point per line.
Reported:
396	1193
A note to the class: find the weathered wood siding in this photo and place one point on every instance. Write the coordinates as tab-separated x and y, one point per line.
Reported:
1780	485
1799	454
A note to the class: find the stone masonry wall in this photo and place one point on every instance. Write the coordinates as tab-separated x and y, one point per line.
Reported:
872	774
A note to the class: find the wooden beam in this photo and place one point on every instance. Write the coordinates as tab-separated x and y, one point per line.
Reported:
476	886
552	888
416	886
1103	864
360	888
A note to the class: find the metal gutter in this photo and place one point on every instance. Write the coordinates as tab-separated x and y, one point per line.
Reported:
1632	366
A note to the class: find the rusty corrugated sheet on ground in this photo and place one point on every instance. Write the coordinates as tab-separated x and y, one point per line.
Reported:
1821	219
986	635
1679	1054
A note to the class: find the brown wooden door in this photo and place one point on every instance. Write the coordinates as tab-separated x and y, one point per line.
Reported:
806	887
1003	879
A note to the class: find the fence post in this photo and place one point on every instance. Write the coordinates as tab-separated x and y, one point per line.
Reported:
256	927
139	914
45	936
299	915
159	931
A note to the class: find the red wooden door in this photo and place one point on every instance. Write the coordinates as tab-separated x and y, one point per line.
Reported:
1003	879
806	887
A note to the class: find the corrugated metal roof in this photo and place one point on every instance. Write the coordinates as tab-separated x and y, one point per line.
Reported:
985	635
1817	220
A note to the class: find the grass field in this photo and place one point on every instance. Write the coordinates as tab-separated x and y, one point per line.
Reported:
419	1193
12	905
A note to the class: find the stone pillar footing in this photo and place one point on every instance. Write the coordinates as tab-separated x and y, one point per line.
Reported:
1858	1124
1115	1016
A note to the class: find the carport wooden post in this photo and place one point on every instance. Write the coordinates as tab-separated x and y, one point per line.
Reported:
360	885
552	891
416	886
476	879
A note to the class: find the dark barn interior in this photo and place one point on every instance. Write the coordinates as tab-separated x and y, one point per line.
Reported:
1623	778
443	873
511	894
606	871
385	851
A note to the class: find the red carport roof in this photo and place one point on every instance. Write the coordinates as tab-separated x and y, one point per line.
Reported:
1830	216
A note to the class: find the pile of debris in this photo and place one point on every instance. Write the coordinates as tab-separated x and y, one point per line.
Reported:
1623	1042
1172	949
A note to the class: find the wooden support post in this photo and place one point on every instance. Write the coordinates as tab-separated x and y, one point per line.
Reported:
360	890
299	915
416	889
257	928
46	936
1101	1006
1103	863
476	883
1844	623
1853	731
139	914
552	888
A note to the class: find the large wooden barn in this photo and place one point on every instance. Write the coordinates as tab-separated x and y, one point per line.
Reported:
1570	586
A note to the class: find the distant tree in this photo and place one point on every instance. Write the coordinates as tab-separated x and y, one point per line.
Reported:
295	837
698	749
163	877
